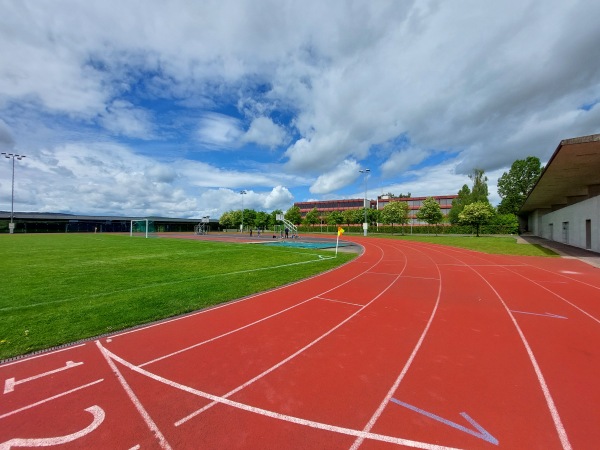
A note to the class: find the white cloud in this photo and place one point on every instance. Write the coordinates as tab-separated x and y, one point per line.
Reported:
219	131
344	174
7	142
123	118
401	161
263	131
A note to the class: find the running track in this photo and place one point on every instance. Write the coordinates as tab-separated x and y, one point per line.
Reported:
409	346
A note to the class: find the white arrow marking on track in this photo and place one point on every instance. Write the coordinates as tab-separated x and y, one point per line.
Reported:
10	383
95	411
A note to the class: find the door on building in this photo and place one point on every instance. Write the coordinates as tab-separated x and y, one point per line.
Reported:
551	231
565	232
588	234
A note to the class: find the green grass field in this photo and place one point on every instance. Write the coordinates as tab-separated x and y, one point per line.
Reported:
488	244
61	288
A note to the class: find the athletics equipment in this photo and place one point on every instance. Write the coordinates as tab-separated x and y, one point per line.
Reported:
141	228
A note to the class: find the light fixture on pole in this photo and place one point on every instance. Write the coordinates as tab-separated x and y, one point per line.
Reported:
365	225
11	226
242	225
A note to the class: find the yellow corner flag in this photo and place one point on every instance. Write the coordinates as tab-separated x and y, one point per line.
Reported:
340	231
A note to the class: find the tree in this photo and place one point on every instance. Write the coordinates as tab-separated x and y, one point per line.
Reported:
515	185
395	212
479	191
430	212
293	215
261	220
352	216
335	218
476	214
227	220
459	203
312	217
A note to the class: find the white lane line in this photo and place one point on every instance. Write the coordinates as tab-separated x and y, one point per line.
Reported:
559	296
289	358
52	352
54	397
10	383
371	423
272	414
339	301
264	318
98	417
136	402
560	429
160	358
224	305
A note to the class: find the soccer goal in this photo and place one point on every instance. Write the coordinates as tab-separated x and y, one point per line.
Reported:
141	228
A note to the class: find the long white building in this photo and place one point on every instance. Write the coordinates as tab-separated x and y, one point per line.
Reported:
564	205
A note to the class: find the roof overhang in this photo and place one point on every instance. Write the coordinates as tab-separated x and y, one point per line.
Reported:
571	175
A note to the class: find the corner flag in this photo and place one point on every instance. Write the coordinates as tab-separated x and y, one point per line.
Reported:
340	232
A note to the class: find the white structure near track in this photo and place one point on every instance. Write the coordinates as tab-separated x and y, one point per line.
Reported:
564	205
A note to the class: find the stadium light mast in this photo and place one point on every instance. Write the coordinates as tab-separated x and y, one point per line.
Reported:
366	172
242	225
11	227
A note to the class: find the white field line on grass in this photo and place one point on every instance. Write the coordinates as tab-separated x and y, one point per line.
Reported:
272	414
177	352
163	283
224	305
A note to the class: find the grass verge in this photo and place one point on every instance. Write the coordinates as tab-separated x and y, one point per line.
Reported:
59	288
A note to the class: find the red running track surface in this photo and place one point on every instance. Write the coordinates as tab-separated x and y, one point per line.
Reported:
409	346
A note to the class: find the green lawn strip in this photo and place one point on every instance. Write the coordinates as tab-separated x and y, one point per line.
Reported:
62	288
499	245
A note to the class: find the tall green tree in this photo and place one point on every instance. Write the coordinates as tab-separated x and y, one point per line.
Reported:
227	220
515	185
335	218
430	212
479	191
352	216
476	214
293	215
261	220
459	203
395	212
312	217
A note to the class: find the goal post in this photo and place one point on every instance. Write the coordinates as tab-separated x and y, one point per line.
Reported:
141	227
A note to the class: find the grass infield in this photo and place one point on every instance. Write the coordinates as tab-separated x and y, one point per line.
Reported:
61	288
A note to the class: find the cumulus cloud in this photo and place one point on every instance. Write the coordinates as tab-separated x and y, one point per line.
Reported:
219	131
402	160
344	174
263	131
123	118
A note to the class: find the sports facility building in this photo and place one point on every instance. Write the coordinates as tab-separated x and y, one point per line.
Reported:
415	203
564	205
26	222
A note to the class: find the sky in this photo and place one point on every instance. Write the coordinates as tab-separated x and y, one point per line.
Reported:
171	108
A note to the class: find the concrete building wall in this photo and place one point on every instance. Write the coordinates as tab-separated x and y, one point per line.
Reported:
577	225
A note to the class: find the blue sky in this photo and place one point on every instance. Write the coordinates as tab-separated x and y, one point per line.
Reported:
171	108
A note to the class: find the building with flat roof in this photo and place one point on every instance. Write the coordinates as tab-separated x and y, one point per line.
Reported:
564	204
324	207
415	203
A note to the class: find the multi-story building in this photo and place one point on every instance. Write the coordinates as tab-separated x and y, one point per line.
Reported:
324	207
415	203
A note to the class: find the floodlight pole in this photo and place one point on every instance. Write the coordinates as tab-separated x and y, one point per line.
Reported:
11	227
242	226
366	172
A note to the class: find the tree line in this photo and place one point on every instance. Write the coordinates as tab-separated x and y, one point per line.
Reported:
471	207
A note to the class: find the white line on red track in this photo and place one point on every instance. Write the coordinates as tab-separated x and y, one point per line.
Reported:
272	414
54	397
338	301
51	352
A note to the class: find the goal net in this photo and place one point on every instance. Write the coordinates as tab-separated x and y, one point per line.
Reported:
142	228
